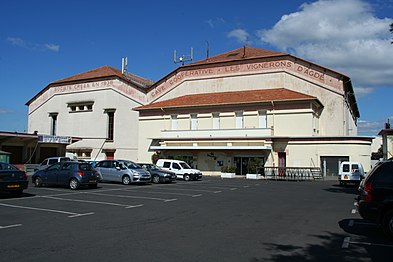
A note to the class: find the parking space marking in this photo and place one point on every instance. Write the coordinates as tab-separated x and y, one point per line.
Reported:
347	241
171	193
10	226
198	190
137	197
88	201
71	214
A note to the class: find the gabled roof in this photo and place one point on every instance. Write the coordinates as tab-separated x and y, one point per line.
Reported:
230	98
106	71
100	73
246	52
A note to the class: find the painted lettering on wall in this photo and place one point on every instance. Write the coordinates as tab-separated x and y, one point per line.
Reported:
310	72
245	68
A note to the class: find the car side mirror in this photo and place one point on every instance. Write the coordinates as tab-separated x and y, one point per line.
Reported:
117	168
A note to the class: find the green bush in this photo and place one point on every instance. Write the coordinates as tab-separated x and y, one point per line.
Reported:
228	169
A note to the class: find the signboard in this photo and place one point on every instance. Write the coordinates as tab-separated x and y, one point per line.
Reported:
54	139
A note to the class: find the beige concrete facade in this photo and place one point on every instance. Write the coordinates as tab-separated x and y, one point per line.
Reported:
307	133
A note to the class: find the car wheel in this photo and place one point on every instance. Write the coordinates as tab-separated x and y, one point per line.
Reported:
156	179
17	193
387	223
186	177
74	184
126	180
38	182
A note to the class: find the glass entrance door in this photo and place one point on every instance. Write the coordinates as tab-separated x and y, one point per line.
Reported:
246	165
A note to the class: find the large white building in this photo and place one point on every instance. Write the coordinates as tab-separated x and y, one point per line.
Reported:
246	105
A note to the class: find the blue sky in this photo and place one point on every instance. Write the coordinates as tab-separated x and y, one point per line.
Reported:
44	41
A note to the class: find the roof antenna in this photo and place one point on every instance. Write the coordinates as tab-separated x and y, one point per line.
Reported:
207	49
244	51
124	64
183	58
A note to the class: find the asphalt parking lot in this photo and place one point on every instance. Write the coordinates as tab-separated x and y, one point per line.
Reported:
208	220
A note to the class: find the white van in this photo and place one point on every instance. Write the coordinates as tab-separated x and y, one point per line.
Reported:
180	168
350	172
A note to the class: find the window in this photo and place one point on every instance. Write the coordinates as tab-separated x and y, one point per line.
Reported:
53	128
262	119
85	106
110	124
167	164
216	120
239	119
194	121
174	122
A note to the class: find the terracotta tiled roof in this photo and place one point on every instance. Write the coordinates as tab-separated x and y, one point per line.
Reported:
228	98
106	71
246	52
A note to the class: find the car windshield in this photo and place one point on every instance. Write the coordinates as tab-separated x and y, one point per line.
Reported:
184	165
153	167
131	165
5	166
85	167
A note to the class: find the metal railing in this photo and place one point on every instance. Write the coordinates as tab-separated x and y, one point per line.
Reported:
291	173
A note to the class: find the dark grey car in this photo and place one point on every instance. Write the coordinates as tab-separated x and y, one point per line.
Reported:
158	175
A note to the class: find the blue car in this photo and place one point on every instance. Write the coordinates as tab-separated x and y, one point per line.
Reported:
70	173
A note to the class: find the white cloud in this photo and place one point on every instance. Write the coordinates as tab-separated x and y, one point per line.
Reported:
372	127
215	22
16	41
344	35
52	47
4	111
240	35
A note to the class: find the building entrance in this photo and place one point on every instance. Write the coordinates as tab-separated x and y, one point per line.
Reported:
331	164
249	165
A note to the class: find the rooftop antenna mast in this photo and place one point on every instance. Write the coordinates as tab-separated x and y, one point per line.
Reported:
184	58
124	64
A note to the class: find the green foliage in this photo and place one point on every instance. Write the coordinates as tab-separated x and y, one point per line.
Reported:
228	169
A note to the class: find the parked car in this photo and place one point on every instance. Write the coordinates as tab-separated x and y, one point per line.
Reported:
50	161
124	171
180	168
12	179
69	173
350	173
375	200
158	175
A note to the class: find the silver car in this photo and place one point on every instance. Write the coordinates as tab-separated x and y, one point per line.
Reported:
124	171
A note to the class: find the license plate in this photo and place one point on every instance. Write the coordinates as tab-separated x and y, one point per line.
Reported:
13	186
92	181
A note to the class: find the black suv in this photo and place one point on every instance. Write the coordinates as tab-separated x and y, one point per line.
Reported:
375	200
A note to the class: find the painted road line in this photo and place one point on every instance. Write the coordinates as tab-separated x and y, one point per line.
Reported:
347	241
171	193
198	190
137	197
10	226
88	201
44	210
80	215
353	211
141	205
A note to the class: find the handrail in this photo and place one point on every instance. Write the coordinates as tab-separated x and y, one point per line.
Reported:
291	173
